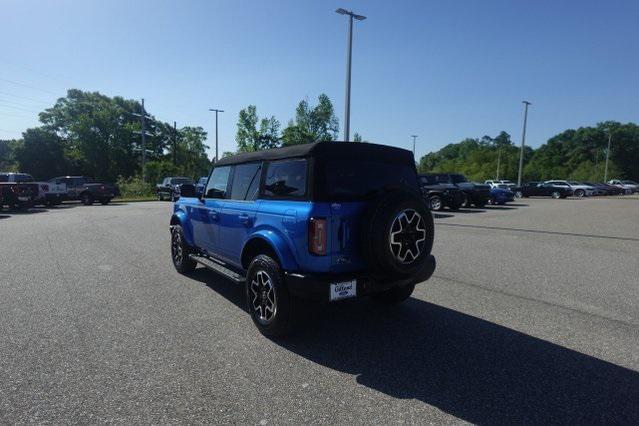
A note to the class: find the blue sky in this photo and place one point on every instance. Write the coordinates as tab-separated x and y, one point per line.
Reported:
443	70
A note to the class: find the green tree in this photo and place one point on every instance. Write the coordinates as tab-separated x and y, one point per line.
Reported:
357	137
312	124
251	137
41	154
7	160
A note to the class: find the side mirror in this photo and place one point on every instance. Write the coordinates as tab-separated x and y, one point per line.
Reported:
187	190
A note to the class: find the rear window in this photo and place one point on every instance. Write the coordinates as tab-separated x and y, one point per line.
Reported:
181	180
348	180
286	179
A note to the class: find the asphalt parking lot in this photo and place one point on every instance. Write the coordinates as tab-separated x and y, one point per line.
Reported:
532	316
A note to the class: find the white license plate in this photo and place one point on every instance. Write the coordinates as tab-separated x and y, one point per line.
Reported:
24	198
343	290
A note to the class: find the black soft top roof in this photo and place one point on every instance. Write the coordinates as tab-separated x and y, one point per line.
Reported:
326	150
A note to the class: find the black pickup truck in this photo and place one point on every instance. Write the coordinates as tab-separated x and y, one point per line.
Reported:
17	194
440	195
87	190
476	194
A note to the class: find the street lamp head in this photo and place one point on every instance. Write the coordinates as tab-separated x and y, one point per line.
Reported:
342	11
353	15
216	110
526	102
359	17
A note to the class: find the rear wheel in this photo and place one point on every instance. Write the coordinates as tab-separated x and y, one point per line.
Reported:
394	295
87	199
180	251
465	200
579	193
519	194
105	201
436	203
556	194
269	302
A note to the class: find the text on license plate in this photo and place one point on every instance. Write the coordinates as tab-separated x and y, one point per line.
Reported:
343	290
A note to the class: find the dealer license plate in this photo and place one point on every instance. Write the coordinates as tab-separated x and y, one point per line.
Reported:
343	290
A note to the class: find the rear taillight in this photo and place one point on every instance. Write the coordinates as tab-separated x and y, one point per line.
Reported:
317	236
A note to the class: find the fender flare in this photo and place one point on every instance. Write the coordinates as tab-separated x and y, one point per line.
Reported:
179	217
279	245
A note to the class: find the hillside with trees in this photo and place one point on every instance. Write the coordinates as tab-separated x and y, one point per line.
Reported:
572	154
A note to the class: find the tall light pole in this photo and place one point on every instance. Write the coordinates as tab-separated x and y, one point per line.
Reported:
347	112
216	145
607	155
414	137
523	142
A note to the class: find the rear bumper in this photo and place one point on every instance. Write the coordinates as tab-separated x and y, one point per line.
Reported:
317	286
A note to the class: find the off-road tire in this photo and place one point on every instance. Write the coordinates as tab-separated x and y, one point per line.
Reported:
260	297
180	252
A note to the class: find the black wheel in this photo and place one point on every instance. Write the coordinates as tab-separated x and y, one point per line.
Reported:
436	203
491	201
270	304
519	194
480	204
87	199
579	193
180	252
465	200
105	201
556	195
394	295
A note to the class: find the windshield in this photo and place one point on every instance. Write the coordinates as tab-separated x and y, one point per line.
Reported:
202	180
180	180
348	180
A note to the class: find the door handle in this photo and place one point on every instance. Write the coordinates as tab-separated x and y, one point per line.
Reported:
244	219
213	215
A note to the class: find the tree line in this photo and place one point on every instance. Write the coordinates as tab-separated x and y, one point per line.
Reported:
572	154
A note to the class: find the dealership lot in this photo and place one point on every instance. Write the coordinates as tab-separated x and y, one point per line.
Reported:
532	315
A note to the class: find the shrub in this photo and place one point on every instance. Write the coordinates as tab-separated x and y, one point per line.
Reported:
135	187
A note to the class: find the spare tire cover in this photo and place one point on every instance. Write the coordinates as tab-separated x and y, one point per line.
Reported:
398	234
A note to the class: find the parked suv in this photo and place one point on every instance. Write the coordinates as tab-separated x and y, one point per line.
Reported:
440	195
324	221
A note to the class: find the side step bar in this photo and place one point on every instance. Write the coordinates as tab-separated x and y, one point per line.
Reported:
220	269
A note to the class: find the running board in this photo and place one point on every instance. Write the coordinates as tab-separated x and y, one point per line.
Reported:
214	266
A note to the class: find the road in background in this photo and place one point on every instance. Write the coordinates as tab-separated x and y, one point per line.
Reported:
532	316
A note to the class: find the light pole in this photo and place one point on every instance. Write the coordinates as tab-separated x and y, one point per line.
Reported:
347	112
607	155
216	146
523	142
414	137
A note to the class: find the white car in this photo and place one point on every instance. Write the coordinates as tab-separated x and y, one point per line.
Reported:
629	186
500	184
578	189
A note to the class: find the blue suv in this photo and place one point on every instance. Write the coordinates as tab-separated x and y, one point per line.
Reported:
324	221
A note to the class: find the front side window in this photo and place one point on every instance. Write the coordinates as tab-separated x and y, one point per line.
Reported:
218	182
246	181
286	179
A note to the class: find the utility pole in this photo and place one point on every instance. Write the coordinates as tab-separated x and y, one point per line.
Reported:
349	55
142	133
216	145
523	142
498	163
414	137
607	155
174	143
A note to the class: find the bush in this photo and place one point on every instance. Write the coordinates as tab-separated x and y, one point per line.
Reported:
135	187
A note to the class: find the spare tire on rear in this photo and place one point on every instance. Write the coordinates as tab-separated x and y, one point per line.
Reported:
397	234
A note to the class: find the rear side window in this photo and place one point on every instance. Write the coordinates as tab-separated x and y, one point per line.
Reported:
218	183
286	179
246	181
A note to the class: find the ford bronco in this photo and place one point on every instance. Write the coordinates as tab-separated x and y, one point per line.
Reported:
324	221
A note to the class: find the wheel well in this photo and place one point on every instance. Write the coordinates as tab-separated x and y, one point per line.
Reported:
175	220
255	247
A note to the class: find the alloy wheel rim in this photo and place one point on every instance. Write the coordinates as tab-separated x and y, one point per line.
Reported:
435	204
263	299
176	247
407	236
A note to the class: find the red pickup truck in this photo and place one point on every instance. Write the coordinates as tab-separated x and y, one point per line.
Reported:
17	194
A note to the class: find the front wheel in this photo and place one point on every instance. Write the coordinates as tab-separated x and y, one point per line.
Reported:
270	304
556	195
580	193
436	203
180	252
519	194
394	295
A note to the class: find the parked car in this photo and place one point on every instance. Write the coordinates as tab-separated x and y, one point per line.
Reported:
16	193
578	189
87	190
357	225
440	195
629	186
48	194
170	187
605	189
542	189
496	184
500	194
200	185
472	193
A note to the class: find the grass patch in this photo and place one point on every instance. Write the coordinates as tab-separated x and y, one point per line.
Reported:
134	199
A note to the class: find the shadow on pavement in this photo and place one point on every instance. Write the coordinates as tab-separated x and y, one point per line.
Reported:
473	369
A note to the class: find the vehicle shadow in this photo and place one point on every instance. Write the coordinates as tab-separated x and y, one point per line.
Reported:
471	368
476	370
502	207
437	215
32	210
